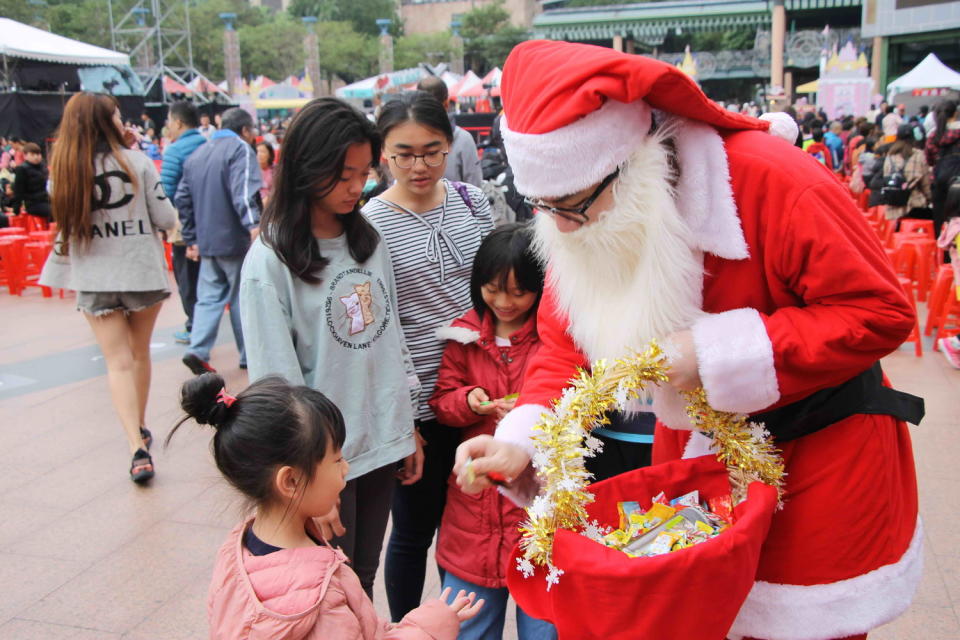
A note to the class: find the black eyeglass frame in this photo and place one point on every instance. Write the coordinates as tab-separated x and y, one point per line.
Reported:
422	157
579	213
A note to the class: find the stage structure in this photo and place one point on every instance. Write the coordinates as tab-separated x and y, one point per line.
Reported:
156	35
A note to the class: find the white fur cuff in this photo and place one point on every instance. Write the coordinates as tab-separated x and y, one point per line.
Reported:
834	610
735	359
517	426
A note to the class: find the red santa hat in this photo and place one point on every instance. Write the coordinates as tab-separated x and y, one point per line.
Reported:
574	112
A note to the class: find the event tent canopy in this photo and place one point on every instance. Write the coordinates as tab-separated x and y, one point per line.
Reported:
19	40
929	74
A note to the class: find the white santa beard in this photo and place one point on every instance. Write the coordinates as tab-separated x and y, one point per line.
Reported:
633	275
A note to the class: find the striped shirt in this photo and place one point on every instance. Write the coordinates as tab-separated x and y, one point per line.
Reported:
432	256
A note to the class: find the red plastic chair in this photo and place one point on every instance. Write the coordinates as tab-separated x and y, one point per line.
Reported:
11	262
36	223
925	248
914	336
35	255
11	231
942	287
914	225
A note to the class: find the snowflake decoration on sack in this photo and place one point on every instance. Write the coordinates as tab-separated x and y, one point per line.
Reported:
595	531
553	576
525	567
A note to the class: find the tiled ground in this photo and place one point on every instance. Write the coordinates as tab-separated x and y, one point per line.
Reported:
86	555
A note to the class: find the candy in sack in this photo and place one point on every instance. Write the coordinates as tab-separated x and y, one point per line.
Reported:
691	499
722	506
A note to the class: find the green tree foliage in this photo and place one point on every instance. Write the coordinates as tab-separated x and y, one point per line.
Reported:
85	20
488	36
729	40
344	52
25	12
206	29
362	14
411	50
273	48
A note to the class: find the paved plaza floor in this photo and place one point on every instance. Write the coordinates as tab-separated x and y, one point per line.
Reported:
87	555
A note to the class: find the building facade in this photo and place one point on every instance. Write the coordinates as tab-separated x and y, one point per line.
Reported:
905	31
785	40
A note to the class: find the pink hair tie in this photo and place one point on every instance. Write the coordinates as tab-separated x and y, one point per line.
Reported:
225	398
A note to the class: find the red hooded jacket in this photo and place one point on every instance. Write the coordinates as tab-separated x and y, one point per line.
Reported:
478	532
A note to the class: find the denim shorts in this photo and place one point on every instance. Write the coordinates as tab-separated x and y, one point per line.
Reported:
100	303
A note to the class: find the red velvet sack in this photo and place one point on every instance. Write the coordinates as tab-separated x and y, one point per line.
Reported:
693	593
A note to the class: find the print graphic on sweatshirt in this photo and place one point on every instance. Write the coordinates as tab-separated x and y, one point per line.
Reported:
114	190
357	308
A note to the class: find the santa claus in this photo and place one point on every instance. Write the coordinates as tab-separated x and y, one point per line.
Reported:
664	216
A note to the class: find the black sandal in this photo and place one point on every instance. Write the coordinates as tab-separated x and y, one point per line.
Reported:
147	437
141	467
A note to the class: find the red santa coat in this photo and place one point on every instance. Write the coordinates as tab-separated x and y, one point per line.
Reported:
478	532
803	299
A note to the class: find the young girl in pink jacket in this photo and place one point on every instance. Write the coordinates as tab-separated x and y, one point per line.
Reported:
483	365
275	576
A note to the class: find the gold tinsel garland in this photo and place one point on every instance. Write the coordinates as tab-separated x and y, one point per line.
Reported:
564	441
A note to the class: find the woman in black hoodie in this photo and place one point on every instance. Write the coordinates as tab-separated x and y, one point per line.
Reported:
30	183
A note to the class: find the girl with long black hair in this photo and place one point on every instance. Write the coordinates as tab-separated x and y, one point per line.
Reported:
318	306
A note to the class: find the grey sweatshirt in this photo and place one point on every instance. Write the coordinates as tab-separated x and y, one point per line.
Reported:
342	337
124	252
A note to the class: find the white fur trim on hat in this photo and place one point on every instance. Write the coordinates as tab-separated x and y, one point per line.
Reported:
580	154
704	195
782	125
834	610
457	334
735	359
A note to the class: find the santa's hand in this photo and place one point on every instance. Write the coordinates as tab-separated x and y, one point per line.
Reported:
684	373
483	462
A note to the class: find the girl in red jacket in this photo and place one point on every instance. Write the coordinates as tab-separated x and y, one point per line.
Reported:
481	372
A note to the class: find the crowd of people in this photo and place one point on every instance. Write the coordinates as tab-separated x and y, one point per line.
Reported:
383	281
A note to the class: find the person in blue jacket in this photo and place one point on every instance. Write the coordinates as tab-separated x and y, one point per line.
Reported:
219	203
182	128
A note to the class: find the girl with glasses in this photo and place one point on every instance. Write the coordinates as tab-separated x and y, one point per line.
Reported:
433	228
318	306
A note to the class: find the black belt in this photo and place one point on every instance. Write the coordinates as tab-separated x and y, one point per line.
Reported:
864	393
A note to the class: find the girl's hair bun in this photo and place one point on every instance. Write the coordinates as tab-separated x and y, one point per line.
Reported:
201	399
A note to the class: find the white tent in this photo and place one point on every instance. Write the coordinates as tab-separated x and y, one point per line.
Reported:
929	74
19	40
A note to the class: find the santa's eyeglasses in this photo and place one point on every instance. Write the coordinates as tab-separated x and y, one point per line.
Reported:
576	214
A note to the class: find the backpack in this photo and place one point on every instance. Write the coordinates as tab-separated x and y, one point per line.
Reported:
871	163
461	188
895	192
499	209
